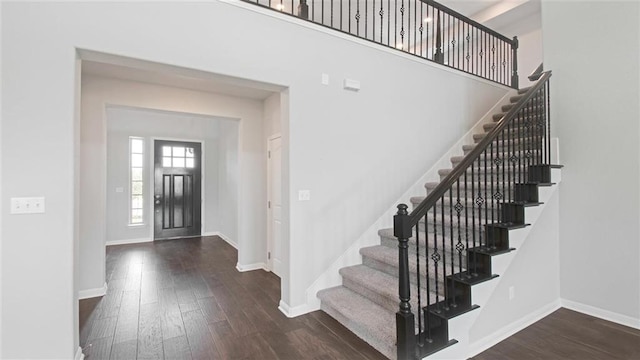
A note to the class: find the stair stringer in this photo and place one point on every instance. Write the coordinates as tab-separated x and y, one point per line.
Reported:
331	276
461	326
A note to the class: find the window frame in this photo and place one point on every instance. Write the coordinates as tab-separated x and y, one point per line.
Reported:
131	182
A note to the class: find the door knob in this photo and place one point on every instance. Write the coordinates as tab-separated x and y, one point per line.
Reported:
158	196
157	202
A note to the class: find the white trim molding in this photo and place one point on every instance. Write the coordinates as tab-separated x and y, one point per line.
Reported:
223	237
79	354
91	293
128	241
292	312
251	267
507	331
601	313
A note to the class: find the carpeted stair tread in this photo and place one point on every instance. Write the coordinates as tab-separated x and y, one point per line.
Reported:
378	286
388	256
371	322
493	169
389	240
416	200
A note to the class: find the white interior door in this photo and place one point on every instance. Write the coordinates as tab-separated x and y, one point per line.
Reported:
275	206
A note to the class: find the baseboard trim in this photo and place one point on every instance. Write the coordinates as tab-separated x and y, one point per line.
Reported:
91	293
251	267
223	237
503	333
128	241
601	313
295	311
79	354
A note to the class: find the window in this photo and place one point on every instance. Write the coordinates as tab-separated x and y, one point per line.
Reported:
177	157
136	162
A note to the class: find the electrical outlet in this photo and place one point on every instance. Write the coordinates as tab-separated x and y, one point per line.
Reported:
32	205
512	292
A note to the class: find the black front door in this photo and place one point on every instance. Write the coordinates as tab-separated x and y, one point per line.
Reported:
177	189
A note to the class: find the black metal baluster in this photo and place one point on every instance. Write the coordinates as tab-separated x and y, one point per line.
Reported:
420	330
395	23
458	207
444	256
408	26
322	12
341	15
366	17
349	22
421	28
466	221
402	25
486	199
331	9
493	198
291	10
436	255
373	21
507	158
389	22
358	18
479	201
427	282
381	20
451	250
473	219
547	121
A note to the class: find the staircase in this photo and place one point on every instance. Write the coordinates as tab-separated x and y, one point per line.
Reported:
450	237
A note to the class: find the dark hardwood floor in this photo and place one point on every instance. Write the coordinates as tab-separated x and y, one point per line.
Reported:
184	299
567	334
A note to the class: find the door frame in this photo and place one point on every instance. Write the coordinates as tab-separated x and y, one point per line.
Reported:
270	240
152	183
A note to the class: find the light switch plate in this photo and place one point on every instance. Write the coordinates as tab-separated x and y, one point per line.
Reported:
30	205
325	79
304	195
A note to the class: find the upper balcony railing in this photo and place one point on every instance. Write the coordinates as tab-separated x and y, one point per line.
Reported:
423	28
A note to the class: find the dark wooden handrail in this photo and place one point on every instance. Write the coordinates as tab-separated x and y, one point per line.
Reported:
450	180
467	20
535	75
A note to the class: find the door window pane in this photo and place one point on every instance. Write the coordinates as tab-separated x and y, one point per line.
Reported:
190	163
178	151
189	152
166	162
178	162
166	151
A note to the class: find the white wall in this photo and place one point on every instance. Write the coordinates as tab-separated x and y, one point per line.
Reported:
535	286
529	33
355	151
98	92
595	93
150	125
1	178
228	182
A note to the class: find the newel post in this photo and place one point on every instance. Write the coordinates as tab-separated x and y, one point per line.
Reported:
405	320
303	10
438	56
514	58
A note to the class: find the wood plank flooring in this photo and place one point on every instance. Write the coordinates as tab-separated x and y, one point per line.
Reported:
567	334
184	299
